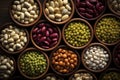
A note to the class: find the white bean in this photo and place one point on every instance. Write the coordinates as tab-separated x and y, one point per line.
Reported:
31	20
30	8
21	1
4	61
6	76
64	17
56	4
32	12
24	9
27	4
11	62
47	11
7	46
18	7
68	7
14	7
65	1
64	11
51	9
22	16
8	72
27	14
6	36
8	65
10	40
58	15
51	16
11	49
52	4
16	2
25	39
3	67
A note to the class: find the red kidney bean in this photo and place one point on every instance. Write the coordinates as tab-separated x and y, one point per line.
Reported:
89	4
35	30
90	11
53	44
101	8
42	39
93	1
46	42
95	12
47	33
48	39
54	35
82	9
50	30
43	29
41	25
46	47
54	39
82	4
88	15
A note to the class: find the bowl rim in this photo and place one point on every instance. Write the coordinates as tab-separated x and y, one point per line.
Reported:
33	49
81	20
84	70
103	46
105	15
68	48
95	18
62	22
37	46
111	9
29	24
17	26
114	52
106	71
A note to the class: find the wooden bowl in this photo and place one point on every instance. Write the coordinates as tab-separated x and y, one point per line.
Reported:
56	22
83	71
109	44
109	70
5	26
111	9
94	18
103	46
37	46
114	54
12	58
78	20
30	24
67	48
24	52
53	75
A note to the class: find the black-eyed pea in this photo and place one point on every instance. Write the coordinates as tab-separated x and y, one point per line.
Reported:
51	16
58	16
47	11
64	17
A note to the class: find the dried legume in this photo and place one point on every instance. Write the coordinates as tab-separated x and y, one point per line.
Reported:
52	77
13	38
33	63
108	29
6	67
77	34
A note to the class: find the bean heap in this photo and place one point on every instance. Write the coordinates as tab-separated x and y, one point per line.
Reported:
107	32
13	38
64	61
82	76
77	34
111	76
58	10
115	4
25	11
52	77
33	63
6	67
90	8
45	35
96	57
117	55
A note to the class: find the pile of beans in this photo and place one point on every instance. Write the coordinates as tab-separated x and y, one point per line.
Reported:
13	38
33	63
82	76
111	76
115	4
52	77
107	32
117	55
64	61
45	35
58	10
6	67
90	8
25	11
96	57
77	34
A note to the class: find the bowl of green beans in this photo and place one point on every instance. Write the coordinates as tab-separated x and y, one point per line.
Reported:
33	63
77	33
107	29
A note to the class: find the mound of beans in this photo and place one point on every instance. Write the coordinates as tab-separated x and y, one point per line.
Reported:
107	32
25	11
6	67
82	76
52	77
45	35
64	61
96	57
13	38
117	55
58	10
77	34
33	63
111	76
90	8
115	4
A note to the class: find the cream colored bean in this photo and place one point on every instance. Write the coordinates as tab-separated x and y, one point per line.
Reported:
11	49
51	9
15	16
5	36
22	16
7	46
52	4
16	37
12	68
47	11
6	76
5	41
12	34
60	2
65	11
64	17
18	46
68	7
31	20
56	4
25	39
58	15
26	22
27	14
18	7
47	5
31	1
51	16
22	43
8	65
3	67
58	20
10	40
35	16
11	44
30	8
18	41
24	10
4	61
27	4
32	12
21	1
14	7
8	72
65	1
16	2
62	7
57	10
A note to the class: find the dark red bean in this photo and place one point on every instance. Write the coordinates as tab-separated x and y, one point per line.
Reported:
34	36
48	39
43	29
38	31
83	14
47	33
95	12
78	1
46	42
88	15
53	44
82	4
50	30
89	4
90	11
93	1
54	39
42	39
35	30
46	47
82	10
39	35
101	8
54	35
